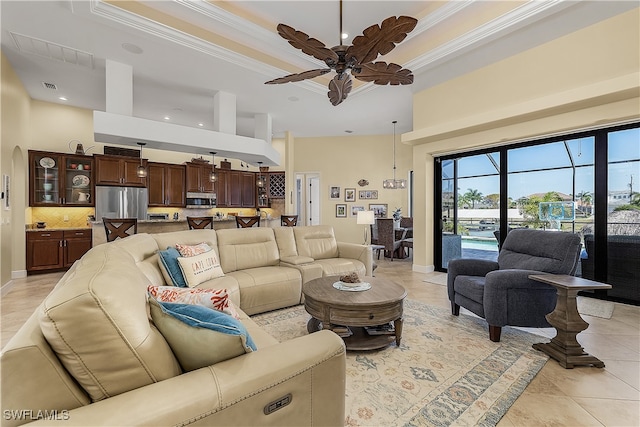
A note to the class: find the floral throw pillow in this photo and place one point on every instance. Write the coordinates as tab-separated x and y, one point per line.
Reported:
217	299
192	250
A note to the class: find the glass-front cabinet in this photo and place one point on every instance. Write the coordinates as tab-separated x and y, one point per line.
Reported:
60	180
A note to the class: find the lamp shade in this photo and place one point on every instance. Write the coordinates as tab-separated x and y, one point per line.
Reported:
366	217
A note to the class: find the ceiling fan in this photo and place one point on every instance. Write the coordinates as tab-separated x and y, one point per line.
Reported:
376	40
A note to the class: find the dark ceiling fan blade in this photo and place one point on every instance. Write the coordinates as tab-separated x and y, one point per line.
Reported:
380	40
339	88
308	45
299	77
382	73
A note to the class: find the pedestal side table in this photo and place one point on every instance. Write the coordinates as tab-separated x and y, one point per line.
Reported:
564	347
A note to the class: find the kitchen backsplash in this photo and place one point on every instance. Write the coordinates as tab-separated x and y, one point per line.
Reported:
59	217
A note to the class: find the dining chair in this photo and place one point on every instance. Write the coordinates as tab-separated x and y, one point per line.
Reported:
387	236
119	227
248	221
200	222
288	220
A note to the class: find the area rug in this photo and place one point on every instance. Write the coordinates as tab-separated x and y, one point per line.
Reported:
445	372
595	307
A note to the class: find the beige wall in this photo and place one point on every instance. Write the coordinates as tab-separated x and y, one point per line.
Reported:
343	161
14	111
589	78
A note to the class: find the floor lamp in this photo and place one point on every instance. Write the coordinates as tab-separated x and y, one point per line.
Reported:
366	218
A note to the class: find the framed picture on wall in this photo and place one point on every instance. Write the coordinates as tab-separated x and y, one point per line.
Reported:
355	209
374	194
362	194
379	210
341	211
334	192
349	194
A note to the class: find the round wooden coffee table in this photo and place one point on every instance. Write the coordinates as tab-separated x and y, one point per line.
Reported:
362	318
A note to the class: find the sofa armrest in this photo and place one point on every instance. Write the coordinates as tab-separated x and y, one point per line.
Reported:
362	253
308	271
467	267
236	391
511	298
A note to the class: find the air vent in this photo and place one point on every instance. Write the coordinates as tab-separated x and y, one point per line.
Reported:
51	86
51	50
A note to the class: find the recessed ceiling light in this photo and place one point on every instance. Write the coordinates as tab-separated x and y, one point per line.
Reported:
167	118
62	98
200	124
132	48
348	131
293	99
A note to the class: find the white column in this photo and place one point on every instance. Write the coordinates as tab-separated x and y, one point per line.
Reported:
263	128
224	112
290	197
119	88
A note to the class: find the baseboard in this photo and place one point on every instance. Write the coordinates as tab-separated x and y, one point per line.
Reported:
19	274
6	288
423	268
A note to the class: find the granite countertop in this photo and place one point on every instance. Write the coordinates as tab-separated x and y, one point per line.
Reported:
32	227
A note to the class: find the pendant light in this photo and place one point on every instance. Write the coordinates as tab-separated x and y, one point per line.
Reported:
394	184
261	180
213	176
141	171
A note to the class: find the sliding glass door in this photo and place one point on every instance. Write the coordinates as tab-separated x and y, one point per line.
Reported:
586	184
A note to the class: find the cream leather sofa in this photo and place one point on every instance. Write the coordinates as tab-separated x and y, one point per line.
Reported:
91	355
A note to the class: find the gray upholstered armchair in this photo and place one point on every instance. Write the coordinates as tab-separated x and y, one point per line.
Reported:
501	292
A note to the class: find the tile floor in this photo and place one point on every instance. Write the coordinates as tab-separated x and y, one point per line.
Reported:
583	396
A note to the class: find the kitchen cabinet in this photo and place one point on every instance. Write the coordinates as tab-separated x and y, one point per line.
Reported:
56	249
276	185
236	189
60	179
198	178
166	184
119	171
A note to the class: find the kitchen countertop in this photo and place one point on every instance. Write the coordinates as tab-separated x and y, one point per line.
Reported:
32	227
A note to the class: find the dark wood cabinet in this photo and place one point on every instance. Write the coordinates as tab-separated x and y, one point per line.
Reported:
118	170
166	184
60	179
236	189
54	250
198	178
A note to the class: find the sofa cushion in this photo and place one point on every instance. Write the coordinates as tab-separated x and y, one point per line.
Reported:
553	252
187	237
216	299
200	268
317	242
268	288
286	242
339	266
200	336
245	248
143	248
170	267
96	321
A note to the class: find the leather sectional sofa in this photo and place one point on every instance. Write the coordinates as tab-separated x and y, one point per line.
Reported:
92	355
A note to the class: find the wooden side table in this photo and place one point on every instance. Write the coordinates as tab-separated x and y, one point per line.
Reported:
564	347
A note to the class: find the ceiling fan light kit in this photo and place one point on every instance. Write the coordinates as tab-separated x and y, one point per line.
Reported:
355	60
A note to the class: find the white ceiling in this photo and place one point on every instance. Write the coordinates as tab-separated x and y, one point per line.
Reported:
180	69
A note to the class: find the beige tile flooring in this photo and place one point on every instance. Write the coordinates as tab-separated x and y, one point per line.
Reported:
583	396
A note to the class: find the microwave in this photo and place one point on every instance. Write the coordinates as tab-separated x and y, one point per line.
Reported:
201	200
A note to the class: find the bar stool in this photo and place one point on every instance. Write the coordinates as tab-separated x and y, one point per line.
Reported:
247	221
119	227
200	222
288	220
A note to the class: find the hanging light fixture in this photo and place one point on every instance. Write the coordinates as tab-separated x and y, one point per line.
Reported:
394	184
141	171
213	176
260	182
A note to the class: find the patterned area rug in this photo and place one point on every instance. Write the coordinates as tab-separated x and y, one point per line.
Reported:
445	372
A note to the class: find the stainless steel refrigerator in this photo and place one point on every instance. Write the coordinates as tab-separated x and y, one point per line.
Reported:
121	202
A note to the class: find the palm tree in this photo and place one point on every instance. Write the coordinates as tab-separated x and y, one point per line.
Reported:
473	196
